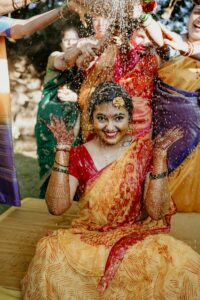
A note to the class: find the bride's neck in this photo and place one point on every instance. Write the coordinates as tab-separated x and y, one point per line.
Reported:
100	143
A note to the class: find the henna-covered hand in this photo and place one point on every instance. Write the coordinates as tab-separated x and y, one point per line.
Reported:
165	141
58	128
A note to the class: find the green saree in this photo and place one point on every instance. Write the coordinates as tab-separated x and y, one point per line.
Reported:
50	105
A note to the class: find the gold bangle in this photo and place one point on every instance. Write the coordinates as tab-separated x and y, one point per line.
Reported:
158	176
61	165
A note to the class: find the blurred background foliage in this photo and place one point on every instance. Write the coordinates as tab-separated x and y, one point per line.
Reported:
38	46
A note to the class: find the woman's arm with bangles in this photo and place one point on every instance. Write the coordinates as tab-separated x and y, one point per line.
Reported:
62	187
157	196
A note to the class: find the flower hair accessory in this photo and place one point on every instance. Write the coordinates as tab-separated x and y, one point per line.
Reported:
118	102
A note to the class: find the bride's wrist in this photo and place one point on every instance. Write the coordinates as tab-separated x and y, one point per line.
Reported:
63	147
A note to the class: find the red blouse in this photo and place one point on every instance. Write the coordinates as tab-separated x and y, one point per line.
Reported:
81	165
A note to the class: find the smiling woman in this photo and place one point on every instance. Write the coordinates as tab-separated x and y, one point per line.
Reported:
194	24
115	249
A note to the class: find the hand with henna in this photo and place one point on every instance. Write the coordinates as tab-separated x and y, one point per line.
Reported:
157	199
164	141
62	136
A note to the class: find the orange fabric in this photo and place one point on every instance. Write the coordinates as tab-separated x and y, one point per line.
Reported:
184	183
69	264
181	72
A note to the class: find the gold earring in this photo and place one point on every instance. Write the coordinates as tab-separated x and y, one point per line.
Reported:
90	127
130	129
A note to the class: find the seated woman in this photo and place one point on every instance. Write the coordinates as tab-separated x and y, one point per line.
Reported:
115	249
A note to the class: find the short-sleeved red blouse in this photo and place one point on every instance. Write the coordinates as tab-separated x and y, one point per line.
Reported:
81	165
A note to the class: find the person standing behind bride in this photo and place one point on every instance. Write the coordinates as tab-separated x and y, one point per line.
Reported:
60	96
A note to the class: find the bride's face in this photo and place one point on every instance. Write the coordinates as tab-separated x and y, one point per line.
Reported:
194	24
110	123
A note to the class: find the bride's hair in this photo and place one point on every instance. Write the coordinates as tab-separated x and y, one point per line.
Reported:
107	92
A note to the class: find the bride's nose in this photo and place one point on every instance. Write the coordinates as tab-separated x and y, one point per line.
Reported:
110	125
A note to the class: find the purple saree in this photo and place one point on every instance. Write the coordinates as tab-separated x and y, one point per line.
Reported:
9	189
176	107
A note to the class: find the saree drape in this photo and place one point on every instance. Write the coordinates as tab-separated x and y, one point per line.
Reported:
108	253
9	188
176	107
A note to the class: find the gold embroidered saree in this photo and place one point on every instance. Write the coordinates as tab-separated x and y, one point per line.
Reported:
110	252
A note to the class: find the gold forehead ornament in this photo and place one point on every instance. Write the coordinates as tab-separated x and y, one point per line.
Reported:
118	102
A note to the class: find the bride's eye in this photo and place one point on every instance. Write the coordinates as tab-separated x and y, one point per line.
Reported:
119	118
101	118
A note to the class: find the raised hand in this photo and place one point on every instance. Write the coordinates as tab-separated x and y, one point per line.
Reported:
62	136
87	46
174	40
165	141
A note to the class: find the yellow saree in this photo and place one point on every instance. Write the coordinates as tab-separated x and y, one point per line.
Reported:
84	262
183	73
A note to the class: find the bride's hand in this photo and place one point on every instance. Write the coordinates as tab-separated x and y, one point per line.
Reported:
164	142
62	136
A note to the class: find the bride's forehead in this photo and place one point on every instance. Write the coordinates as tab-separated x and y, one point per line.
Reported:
108	108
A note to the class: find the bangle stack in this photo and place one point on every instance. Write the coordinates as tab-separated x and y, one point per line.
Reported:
60	170
57	163
190	50
158	176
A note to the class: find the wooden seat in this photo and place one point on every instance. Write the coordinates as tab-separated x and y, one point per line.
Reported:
21	228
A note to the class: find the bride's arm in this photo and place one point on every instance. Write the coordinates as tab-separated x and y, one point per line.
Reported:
62	186
157	196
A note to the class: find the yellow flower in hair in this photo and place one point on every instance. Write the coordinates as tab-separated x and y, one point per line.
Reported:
118	102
